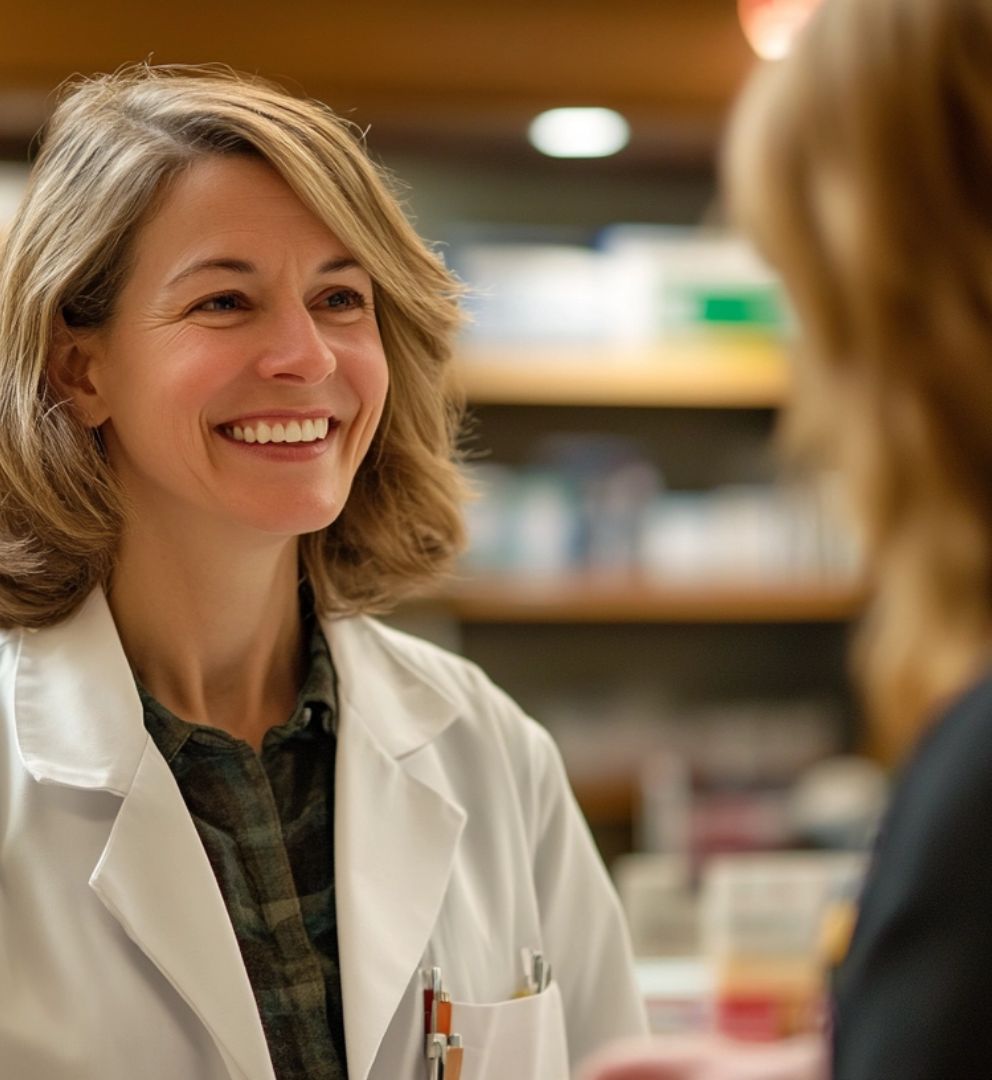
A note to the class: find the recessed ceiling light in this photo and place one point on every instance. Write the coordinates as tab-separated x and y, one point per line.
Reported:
579	133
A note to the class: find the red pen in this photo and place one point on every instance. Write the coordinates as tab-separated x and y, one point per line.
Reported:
432	978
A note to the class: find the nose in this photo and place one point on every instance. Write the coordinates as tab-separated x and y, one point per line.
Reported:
293	349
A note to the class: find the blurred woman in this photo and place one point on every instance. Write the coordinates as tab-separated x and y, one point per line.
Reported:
862	167
238	817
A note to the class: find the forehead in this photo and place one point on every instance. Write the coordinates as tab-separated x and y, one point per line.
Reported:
230	207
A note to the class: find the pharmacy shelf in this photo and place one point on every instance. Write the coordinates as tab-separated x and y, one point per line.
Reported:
606	799
702	372
612	599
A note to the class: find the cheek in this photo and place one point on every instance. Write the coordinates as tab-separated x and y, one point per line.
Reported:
153	376
371	382
194	380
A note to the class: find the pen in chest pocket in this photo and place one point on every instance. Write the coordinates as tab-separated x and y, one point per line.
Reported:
443	1049
453	1058
537	973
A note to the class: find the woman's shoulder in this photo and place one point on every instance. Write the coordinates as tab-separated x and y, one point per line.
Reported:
428	695
405	656
944	792
381	641
959	742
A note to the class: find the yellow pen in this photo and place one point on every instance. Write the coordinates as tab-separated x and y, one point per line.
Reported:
527	963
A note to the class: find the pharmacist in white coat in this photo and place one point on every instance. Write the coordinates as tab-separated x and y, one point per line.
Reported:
238	817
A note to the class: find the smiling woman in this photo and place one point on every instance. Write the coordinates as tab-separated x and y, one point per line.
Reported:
238	817
115	153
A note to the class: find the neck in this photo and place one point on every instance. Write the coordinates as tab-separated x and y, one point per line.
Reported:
212	629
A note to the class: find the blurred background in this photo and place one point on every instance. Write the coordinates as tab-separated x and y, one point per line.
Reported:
644	578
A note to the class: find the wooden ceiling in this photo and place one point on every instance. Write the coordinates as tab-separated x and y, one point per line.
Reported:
432	72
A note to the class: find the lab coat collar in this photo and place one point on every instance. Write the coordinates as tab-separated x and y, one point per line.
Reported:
77	711
386	677
79	718
395	836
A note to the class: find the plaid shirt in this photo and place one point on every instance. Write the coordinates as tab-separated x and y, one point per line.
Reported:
266	821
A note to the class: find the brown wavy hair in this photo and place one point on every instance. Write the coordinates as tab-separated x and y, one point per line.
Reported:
862	167
111	148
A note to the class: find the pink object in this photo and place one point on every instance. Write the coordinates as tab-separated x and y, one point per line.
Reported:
709	1057
770	25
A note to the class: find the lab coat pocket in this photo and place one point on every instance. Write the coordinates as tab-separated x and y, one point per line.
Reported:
523	1038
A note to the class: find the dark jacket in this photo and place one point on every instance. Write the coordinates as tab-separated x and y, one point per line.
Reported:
914	997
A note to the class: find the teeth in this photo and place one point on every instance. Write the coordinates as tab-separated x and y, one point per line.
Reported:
294	431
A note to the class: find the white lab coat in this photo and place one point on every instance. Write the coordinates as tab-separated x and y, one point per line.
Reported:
457	842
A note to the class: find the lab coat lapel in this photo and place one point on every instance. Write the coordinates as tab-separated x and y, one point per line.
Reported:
155	879
79	724
395	836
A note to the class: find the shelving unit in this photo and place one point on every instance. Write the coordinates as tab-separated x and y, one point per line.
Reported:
703	408
732	373
610	599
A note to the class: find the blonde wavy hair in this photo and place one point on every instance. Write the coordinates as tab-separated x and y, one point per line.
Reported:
862	168
113	145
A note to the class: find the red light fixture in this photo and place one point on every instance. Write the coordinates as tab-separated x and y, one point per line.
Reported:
770	25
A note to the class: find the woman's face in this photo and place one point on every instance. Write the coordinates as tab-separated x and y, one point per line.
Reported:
241	377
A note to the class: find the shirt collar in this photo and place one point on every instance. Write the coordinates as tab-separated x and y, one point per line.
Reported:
316	704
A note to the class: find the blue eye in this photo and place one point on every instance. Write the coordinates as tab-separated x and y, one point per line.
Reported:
344	300
224	302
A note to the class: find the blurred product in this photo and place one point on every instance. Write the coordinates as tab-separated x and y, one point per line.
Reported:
660	904
761	928
838	803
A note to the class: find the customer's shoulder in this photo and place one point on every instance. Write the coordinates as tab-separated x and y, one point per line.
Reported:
947	780
962	732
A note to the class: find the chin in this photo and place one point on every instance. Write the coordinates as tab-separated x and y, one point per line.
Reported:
297	522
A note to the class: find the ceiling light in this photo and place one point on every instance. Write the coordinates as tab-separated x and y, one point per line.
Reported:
579	133
770	25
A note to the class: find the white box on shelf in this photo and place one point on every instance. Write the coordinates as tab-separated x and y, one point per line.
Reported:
668	281
534	294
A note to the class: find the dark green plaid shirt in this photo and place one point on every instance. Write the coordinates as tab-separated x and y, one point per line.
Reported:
267	823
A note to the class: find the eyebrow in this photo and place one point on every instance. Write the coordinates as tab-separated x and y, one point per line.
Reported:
241	266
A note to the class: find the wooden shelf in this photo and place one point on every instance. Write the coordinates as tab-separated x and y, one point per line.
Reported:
706	372
585	599
606	799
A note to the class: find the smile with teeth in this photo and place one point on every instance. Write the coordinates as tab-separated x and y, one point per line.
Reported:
291	431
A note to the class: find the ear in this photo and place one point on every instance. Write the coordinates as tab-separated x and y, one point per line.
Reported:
71	358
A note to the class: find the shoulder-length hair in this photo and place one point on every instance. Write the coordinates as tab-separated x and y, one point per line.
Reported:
862	167
109	152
